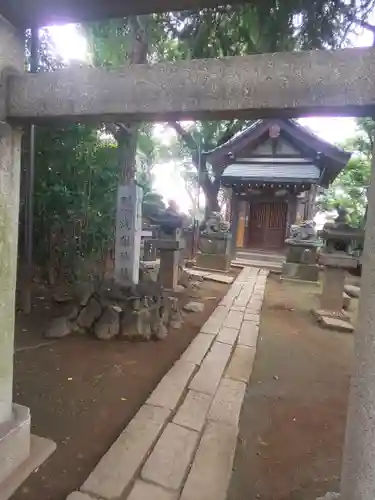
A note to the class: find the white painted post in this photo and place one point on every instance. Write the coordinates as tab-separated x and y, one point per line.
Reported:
358	470
128	234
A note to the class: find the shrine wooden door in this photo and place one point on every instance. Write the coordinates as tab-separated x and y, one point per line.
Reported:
267	224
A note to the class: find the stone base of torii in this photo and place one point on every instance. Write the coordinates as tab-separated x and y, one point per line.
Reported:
20	453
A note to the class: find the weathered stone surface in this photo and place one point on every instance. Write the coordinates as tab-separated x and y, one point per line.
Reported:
330	496
119	466
336	324
352	291
128	233
249	316
220	313
171	387
83	292
345	301
241	364
14	441
227	402
196	307
89	314
59	328
227	335
221	278
238	308
208	377
233	319
248	334
40	450
146	491
300	272
169	268
212	326
232	293
212	467
192	413
244	296
333	288
108	325
254	306
260	85
198	349
77	495
171	457
214	262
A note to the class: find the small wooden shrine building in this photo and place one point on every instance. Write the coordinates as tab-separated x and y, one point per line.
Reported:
274	169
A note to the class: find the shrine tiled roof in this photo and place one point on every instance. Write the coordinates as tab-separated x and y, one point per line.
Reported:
293	170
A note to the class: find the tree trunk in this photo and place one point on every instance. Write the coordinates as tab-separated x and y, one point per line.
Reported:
127	151
211	191
127	136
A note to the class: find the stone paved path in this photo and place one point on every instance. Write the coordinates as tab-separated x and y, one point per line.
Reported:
181	443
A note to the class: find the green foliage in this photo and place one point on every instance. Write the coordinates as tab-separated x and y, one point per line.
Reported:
268	26
75	192
349	189
77	169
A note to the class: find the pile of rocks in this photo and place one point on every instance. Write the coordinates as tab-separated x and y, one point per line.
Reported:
141	312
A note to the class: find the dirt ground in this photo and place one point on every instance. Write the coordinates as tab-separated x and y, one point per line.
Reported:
83	392
293	417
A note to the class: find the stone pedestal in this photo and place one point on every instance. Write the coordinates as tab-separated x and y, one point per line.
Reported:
214	251
169	268
332	298
170	247
15	439
128	234
300	262
333	289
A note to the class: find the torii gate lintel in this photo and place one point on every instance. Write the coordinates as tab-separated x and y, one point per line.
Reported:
256	86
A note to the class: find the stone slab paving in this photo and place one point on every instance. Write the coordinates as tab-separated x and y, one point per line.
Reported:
248	334
241	364
227	402
171	387
146	491
181	443
171	457
234	319
209	375
117	469
197	350
250	316
77	495
193	411
227	335
212	468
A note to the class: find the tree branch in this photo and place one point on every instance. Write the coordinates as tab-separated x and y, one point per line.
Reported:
185	136
354	19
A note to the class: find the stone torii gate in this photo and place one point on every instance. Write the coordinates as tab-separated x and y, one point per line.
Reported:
259	86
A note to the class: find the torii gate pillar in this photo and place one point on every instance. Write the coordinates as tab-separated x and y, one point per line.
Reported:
358	470
19	452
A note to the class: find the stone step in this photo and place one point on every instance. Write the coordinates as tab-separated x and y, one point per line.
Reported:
274	267
261	257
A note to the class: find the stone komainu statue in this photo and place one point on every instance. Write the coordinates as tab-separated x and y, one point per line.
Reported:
215	223
304	231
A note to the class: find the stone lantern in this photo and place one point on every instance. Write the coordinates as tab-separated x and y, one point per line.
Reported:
337	256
